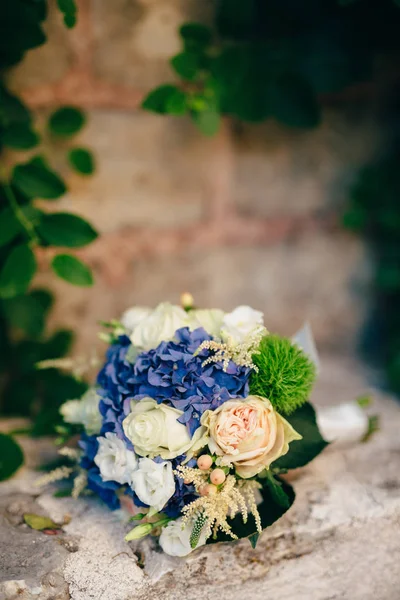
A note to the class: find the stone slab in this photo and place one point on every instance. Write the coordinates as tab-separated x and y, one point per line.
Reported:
340	539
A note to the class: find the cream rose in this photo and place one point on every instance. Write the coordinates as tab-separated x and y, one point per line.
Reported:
242	322
249	434
159	326
154	430
210	319
133	316
84	412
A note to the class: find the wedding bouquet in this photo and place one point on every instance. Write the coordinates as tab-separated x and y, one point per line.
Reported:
194	418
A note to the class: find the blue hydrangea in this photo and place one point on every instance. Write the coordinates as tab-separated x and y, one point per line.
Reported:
171	373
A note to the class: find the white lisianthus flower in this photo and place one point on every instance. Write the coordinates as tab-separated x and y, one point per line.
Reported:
154	430
84	412
242	322
153	483
133	316
210	319
175	538
115	461
159	326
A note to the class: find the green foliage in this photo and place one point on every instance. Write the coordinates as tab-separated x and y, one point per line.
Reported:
65	229
10	226
82	161
69	10
303	451
39	522
73	270
285	374
24	389
17	271
374	211
35	179
272	60
66	121
19	136
11	456
162	98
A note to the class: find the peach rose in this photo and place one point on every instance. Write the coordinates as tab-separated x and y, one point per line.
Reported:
249	434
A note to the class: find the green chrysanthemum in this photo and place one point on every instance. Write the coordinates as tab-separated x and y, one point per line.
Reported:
285	374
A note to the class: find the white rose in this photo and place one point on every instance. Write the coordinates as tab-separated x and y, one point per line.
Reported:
154	483
154	430
115	461
175	538
210	319
84	412
241	322
133	316
159	326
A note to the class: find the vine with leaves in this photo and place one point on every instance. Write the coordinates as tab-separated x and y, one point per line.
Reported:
27	226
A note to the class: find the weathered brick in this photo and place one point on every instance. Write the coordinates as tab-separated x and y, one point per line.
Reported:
284	171
320	278
50	62
152	171
134	40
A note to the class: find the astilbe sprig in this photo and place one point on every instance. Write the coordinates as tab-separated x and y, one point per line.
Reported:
229	350
284	374
210	513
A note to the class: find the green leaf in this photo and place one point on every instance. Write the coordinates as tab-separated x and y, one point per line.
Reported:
176	104
73	270
157	100
208	121
36	180
270	511
65	229
301	452
10	226
253	539
12	110
293	102
39	522
195	35
58	345
11	456
66	121
26	313
355	219
69	10
186	65
81	160
17	272
276	490
19	136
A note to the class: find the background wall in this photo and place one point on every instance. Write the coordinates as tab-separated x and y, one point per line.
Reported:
251	216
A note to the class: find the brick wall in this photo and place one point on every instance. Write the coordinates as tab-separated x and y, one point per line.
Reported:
250	216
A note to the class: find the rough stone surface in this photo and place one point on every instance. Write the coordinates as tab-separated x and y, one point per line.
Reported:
339	540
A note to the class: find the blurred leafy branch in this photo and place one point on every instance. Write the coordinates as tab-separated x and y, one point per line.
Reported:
374	211
275	59
28	226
